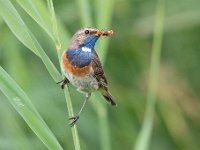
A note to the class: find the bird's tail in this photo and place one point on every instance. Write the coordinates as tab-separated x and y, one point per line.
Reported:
108	97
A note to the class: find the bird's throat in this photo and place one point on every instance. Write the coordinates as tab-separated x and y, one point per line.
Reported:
90	41
82	56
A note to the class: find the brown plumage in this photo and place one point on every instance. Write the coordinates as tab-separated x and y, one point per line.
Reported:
101	79
73	69
82	67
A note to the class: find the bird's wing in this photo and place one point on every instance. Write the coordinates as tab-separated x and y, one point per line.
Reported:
98	72
102	81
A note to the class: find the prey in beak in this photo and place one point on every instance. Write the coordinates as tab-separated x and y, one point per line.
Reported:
101	33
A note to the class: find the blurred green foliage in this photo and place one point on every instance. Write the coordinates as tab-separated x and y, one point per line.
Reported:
177	119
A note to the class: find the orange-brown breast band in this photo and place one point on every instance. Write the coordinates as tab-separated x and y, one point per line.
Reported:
72	69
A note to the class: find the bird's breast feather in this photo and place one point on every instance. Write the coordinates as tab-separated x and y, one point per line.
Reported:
70	68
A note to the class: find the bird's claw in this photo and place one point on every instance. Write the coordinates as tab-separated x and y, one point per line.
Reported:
63	82
73	120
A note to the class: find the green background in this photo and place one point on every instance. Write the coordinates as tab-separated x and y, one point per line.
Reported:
127	66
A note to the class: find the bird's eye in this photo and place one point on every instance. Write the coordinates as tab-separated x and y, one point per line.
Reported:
87	31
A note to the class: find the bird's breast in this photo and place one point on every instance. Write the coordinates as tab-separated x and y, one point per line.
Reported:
72	69
81	78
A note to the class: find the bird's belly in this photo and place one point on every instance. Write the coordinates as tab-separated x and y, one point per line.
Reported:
84	84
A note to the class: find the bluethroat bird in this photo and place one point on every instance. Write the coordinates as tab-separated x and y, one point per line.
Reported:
82	68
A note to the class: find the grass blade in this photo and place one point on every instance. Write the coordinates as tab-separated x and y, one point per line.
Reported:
103	21
54	27
25	108
85	13
66	91
71	113
143	140
21	31
101	109
49	65
15	23
38	12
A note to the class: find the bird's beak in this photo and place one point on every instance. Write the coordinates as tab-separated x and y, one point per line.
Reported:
102	33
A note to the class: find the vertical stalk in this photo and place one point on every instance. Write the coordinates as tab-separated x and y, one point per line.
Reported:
66	91
103	21
143	140
54	27
85	13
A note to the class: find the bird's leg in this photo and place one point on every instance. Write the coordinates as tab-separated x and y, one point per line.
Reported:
74	119
63	82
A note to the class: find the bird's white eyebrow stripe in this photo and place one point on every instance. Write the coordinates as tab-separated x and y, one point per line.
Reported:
86	49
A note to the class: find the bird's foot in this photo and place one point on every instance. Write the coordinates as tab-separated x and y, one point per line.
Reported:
73	120
63	82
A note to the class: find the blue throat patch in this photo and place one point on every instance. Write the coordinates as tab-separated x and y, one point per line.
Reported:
82	56
90	41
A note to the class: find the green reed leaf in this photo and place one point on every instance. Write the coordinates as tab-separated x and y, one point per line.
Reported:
23	105
38	12
66	91
143	140
21	31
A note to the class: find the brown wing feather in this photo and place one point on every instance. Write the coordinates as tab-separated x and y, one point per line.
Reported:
98	72
100	77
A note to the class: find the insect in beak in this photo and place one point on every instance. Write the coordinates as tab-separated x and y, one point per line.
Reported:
102	33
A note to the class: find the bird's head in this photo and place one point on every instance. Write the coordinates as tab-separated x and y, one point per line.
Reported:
87	37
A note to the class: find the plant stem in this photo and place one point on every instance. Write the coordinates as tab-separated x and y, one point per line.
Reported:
66	91
84	11
143	140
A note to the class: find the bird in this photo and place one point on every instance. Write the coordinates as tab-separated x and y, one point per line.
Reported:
82	68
